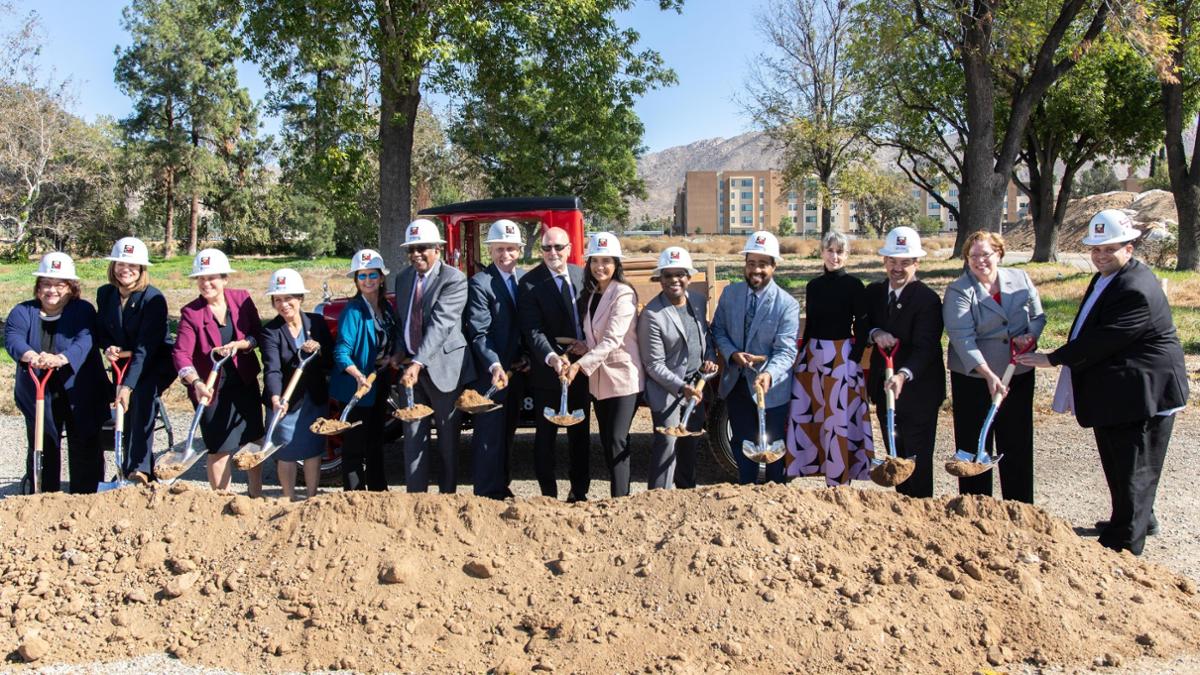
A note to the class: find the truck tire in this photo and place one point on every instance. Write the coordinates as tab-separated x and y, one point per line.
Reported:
720	439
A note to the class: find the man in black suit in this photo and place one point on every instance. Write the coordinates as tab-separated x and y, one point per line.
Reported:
903	309
548	310
495	337
1123	375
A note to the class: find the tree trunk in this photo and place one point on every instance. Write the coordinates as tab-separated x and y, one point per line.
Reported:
169	189
397	121
1045	219
1184	178
826	198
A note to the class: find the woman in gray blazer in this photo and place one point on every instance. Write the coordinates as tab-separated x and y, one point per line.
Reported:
986	311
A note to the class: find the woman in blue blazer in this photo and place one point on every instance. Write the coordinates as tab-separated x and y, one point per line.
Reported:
132	317
365	341
54	330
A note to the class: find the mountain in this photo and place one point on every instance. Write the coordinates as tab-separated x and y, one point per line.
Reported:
664	170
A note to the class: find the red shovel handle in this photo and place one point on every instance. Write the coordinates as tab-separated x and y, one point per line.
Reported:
1014	351
118	369
40	381
889	354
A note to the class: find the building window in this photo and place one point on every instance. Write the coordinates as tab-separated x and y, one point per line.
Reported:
793	219
732	220
747	195
810	219
934	206
749	220
733	207
747	207
747	182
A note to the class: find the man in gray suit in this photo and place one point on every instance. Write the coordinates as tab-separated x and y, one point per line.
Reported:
495	338
431	299
675	346
757	318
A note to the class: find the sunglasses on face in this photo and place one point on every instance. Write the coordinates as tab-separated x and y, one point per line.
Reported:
363	276
419	249
554	247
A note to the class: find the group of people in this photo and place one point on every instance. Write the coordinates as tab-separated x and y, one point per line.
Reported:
560	331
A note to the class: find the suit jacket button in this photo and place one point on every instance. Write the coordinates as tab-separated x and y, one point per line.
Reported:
1005	340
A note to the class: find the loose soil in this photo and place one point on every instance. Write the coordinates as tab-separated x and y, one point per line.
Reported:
746	578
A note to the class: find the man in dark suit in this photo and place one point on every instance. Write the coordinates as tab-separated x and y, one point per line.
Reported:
431	299
548	311
495	336
903	309
1123	375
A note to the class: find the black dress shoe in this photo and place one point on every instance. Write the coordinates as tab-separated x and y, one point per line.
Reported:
1150	531
571	498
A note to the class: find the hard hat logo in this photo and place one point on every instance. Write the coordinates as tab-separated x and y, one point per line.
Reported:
902	241
674	255
204	262
55	264
281	281
602	243
414	231
760	240
1099	228
509	229
129	248
366	257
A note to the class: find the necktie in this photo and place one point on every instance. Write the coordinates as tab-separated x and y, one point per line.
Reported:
748	320
512	287
415	329
891	306
568	296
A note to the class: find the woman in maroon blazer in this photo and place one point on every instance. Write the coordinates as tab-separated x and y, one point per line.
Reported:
224	319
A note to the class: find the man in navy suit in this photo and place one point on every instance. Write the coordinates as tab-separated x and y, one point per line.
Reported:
1123	375
757	318
495	337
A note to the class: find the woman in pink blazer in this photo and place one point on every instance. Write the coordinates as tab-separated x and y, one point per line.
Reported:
612	363
226	320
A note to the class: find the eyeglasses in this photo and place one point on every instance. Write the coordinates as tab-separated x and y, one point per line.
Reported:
982	256
419	248
55	285
554	247
363	276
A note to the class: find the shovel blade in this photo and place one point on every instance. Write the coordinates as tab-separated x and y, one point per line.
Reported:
549	413
966	464
750	449
113	485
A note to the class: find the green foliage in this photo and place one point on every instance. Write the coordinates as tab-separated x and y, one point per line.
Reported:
1159	180
1097	179
927	225
786	226
881	200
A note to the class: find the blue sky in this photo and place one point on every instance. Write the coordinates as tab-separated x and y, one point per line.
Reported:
708	46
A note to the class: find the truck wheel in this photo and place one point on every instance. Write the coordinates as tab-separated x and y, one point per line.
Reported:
720	438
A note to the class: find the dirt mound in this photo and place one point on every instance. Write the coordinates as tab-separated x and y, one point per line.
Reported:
756	579
1150	209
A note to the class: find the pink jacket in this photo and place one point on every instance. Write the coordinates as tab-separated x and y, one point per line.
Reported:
199	334
613	364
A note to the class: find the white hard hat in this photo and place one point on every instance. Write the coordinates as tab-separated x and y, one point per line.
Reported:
1110	226
674	258
130	250
603	244
286	281
902	242
210	261
764	243
504	232
56	265
366	259
422	231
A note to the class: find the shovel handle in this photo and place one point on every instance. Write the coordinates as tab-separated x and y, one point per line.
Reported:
209	383
1007	377
700	387
361	391
294	380
762	396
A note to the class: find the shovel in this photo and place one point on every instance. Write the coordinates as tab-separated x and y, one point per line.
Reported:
892	470
174	464
39	427
563	418
965	464
412	411
118	428
762	452
682	430
251	455
484	407
325	427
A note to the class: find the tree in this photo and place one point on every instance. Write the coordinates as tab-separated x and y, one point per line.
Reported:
1096	180
189	112
1104	107
786	226
803	93
556	116
952	87
1177	84
418	45
881	200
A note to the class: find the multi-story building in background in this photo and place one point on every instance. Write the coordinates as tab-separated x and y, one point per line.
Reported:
739	202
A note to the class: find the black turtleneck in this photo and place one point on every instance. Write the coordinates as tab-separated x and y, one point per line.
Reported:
832	302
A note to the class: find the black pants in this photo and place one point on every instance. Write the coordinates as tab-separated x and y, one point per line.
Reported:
613	417
1011	434
85	459
138	437
915	437
579	440
362	446
492	438
743	422
1132	455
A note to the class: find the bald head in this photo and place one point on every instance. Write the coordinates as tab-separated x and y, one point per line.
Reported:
556	248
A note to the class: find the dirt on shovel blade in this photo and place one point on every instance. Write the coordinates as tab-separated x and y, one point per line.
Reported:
766	457
416	412
168	470
957	467
471	399
326	427
893	471
249	460
564	420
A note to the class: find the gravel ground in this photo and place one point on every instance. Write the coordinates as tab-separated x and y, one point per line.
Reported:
1070	485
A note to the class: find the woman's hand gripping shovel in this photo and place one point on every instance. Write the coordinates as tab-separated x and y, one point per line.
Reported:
328	427
892	470
118	426
251	455
39	428
965	464
762	452
175	463
681	429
